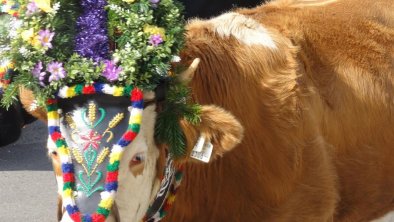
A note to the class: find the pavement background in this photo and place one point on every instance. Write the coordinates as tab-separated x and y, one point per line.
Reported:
28	190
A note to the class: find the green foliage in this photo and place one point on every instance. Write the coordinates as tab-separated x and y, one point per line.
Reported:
177	106
142	64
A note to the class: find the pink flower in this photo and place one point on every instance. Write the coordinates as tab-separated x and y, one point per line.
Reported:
111	71
31	8
45	37
57	71
91	140
155	39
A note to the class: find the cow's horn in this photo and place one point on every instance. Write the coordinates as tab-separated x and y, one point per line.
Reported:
187	75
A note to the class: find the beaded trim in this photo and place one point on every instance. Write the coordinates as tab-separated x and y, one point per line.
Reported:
111	181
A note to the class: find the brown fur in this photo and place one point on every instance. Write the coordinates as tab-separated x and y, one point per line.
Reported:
317	114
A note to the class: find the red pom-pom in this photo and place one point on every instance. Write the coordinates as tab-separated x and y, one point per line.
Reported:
51	101
129	136
112	177
98	217
136	95
76	217
88	90
68	177
167	207
55	136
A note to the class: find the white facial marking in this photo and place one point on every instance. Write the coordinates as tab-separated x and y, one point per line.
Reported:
242	28
136	192
386	218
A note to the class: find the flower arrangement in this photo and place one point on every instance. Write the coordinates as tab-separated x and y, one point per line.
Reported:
53	44
64	42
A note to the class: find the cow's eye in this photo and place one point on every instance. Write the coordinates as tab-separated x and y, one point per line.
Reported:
136	164
137	159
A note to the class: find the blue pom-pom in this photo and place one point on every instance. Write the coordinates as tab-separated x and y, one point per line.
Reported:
87	218
123	143
98	87
53	129
71	210
138	104
67	168
111	186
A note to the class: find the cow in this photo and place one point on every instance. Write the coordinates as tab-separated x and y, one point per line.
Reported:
307	85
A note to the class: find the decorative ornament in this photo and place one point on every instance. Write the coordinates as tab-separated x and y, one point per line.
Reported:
91	158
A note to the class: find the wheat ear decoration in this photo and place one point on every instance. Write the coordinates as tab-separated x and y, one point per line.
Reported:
102	155
77	155
100	159
70	121
115	120
92	113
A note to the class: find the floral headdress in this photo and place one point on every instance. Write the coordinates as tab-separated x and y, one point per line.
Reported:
122	43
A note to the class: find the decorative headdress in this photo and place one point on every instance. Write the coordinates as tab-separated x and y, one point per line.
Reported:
67	48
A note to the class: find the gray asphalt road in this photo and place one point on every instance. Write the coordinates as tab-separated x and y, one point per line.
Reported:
27	183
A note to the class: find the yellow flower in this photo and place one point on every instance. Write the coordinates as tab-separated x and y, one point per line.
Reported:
154	30
44	5
129	1
27	35
32	38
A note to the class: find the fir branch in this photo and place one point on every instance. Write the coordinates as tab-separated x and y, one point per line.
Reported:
177	106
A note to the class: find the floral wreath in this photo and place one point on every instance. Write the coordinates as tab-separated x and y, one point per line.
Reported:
118	42
74	47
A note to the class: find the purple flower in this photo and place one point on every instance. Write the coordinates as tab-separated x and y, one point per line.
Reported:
45	37
37	72
57	71
155	39
37	69
31	8
154	2
111	71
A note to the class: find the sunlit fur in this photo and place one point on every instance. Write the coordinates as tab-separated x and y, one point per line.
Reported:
317	112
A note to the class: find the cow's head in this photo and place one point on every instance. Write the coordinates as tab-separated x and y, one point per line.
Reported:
92	125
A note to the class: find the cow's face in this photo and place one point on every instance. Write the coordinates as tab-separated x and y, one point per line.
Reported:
90	127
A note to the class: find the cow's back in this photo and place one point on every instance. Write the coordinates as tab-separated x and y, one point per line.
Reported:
317	108
348	51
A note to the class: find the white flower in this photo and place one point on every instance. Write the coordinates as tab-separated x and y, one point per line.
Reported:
33	106
24	52
176	59
56	7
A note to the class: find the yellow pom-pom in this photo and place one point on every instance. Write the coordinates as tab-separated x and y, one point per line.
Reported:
53	115
71	92
118	91
114	157
67	193
137	119
107	203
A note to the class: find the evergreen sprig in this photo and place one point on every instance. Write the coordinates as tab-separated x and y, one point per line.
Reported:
177	106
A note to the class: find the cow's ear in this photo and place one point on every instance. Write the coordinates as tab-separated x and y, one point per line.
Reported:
218	127
29	104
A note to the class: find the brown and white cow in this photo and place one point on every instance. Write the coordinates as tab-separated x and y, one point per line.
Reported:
312	84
